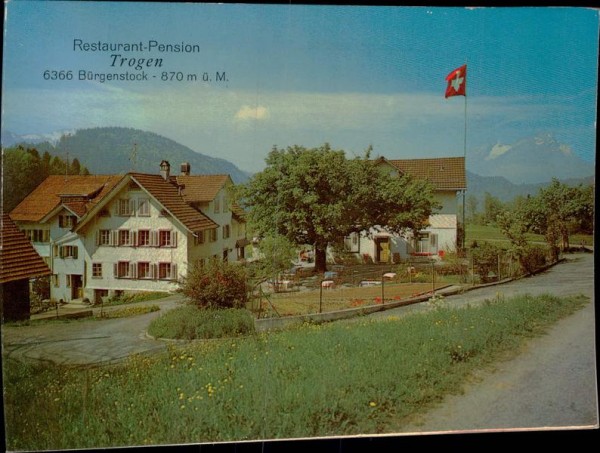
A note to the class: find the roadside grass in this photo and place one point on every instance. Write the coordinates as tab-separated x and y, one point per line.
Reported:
127	311
133	298
190	322
345	378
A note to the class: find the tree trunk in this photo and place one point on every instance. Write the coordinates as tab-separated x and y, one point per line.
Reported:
320	258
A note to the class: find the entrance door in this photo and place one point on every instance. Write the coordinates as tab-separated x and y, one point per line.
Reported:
382	250
76	286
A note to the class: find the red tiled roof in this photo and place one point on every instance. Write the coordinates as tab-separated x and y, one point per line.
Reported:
18	258
201	188
47	196
445	173
168	195
79	208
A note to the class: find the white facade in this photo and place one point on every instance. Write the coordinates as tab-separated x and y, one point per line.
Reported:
132	245
382	247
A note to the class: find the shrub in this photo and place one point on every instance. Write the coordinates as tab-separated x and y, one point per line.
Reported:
191	322
533	258
217	284
485	260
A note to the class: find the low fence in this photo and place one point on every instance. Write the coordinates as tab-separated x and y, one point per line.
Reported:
302	292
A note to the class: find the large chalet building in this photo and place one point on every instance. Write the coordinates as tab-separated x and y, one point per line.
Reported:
107	235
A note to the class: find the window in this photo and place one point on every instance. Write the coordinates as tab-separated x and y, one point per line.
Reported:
143	270
67	221
225	204
143	238
143	207
226	231
122	269
217	205
96	270
69	251
104	213
42	236
167	238
213	235
164	271
104	237
125	238
125	207
199	239
426	243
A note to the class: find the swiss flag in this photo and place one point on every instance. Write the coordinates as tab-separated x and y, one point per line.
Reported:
457	82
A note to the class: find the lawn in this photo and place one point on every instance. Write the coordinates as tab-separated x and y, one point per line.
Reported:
343	378
492	233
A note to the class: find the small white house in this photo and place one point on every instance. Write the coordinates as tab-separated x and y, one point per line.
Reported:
448	177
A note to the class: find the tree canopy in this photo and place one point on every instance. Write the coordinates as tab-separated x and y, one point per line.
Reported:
318	196
555	212
24	169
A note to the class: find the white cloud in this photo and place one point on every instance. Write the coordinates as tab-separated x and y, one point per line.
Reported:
252	113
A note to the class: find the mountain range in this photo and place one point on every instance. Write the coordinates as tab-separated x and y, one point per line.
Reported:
115	150
530	160
504	171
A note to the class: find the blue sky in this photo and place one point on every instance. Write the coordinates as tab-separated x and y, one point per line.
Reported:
352	76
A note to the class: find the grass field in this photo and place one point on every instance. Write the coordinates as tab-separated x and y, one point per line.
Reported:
343	378
492	233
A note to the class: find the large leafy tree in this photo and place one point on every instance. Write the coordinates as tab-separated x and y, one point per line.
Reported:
318	196
559	209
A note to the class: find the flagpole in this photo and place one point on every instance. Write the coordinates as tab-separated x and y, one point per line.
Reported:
464	245
465	159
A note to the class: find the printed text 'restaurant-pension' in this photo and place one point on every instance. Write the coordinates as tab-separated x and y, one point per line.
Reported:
79	45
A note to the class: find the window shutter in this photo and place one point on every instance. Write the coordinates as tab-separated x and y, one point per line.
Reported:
154	268
75	252
173	271
114	237
433	240
131	207
132	270
97	238
61	251
174	238
116	270
133	238
154	238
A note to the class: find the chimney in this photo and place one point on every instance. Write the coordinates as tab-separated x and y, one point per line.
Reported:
165	169
185	169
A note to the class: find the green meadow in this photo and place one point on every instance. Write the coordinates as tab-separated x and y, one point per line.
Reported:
343	378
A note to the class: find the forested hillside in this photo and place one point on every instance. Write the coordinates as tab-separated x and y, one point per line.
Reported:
118	150
23	169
